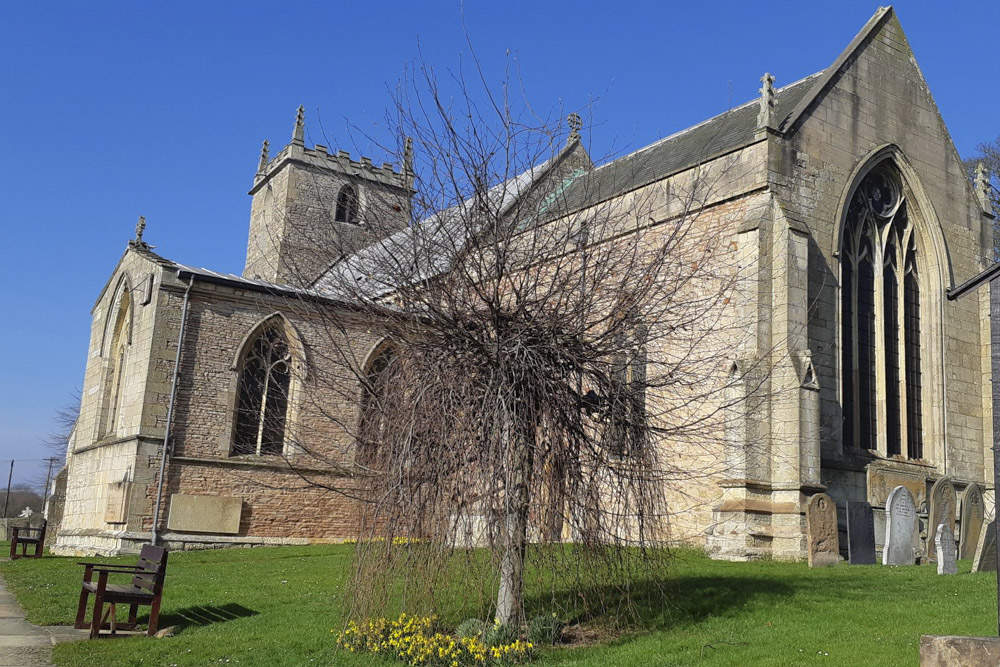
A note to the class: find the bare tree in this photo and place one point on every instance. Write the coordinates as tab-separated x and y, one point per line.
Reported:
554	354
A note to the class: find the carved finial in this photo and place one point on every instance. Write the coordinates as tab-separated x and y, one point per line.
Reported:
765	117
140	227
299	134
982	186
265	155
575	125
408	155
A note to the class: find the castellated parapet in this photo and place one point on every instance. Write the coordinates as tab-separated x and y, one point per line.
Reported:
311	207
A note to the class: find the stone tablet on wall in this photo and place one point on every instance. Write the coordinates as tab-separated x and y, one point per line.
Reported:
986	550
900	528
860	533
204	514
821	531
942	510
973	517
881	482
947	554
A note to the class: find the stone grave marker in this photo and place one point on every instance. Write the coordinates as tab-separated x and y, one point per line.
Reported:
821	529
942	509
973	518
860	533
900	528
986	550
947	553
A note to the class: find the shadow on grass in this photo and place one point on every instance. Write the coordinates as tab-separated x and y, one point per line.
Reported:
675	602
201	616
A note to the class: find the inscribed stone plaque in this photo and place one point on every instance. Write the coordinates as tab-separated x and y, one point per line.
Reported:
881	482
942	510
986	550
204	514
860	533
973	517
944	541
900	528
821	528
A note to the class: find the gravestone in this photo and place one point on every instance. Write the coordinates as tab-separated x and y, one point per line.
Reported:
860	533
973	517
821	529
986	550
942	510
900	528
947	554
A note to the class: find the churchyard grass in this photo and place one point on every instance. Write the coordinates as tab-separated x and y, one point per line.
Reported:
278	605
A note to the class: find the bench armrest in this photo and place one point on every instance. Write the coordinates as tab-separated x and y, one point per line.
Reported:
107	566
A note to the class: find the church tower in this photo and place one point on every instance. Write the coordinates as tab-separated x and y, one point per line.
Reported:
311	207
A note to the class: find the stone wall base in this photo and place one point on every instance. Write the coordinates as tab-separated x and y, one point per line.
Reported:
950	651
89	542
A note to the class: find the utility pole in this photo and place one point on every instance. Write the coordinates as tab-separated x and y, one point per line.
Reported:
10	477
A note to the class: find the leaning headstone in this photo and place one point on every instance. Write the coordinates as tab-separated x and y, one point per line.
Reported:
947	554
821	529
942	509
973	517
986	550
900	528
860	533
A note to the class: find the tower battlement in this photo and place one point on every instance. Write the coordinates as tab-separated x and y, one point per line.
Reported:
320	157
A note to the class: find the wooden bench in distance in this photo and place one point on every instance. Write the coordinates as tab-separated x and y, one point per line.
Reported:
145	589
25	535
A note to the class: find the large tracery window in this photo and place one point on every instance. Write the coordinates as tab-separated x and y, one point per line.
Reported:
880	321
121	339
264	380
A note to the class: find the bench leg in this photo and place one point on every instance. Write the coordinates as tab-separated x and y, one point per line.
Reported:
81	611
154	616
95	621
13	549
133	615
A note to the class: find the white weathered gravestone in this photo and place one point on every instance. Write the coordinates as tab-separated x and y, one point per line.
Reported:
900	527
986	551
942	510
821	529
973	517
947	553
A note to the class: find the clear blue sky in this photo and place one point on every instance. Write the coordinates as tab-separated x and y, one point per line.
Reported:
109	110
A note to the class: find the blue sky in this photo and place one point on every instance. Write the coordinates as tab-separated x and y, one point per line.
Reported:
109	110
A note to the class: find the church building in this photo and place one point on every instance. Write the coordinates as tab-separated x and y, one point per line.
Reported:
209	416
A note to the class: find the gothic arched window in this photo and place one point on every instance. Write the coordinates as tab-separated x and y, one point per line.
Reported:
374	414
880	321
262	404
121	339
626	402
347	205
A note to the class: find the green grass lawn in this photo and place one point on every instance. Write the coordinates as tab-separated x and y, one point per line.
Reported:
277	606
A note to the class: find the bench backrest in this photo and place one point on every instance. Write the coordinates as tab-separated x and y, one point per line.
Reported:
153	563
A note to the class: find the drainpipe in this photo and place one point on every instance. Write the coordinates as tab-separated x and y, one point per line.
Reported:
170	415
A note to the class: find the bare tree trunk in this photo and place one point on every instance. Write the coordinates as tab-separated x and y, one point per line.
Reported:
509	594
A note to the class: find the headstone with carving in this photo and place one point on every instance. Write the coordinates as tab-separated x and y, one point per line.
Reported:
821	529
942	510
973	517
986	550
860	533
900	528
947	553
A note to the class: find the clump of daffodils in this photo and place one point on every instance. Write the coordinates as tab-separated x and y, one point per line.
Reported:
413	640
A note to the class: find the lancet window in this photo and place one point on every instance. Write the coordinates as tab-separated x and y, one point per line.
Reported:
880	321
626	403
262	404
121	339
374	413
347	205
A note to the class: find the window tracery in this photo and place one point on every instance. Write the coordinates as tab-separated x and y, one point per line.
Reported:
121	339
262	404
347	205
880	321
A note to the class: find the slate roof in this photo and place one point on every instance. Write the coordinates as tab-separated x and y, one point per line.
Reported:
683	150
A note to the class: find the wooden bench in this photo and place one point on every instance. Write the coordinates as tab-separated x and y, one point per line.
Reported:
145	589
25	535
